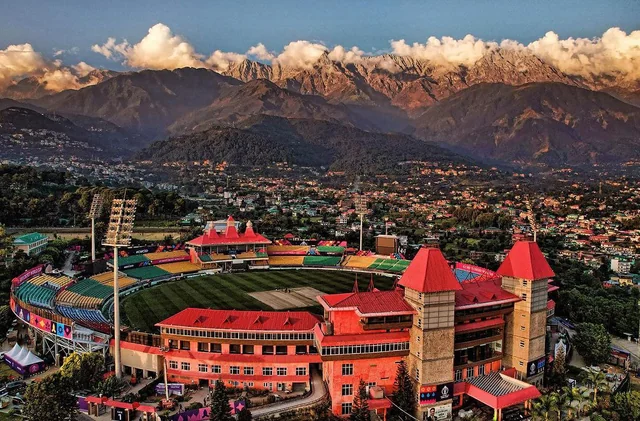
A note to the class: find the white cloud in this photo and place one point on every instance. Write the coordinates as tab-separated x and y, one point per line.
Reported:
614	52
159	49
339	53
73	50
446	50
19	61
82	69
261	53
300	54
220	60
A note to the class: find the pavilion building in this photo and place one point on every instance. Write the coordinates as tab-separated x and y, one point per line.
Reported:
229	248
270	350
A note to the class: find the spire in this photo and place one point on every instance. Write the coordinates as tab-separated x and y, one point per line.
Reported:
371	287
526	261
248	232
231	231
429	272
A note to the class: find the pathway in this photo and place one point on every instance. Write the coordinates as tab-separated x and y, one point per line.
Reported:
318	391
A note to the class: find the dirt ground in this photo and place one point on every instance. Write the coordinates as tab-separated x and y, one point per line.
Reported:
282	300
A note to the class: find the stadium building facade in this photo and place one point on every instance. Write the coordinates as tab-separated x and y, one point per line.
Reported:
465	332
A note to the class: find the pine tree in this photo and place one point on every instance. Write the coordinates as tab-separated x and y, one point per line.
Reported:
245	415
403	393
220	408
559	370
360	410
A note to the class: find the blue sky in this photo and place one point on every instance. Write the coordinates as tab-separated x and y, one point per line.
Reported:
236	25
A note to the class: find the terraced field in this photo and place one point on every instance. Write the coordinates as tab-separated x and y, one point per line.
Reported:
144	309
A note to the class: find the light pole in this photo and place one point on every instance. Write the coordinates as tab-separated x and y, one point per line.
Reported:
123	212
361	209
94	212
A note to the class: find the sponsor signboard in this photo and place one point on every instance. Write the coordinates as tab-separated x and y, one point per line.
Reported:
171	259
536	367
27	274
474	269
437	413
174	389
430	394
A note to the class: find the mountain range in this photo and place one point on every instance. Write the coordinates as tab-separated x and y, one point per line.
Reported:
509	107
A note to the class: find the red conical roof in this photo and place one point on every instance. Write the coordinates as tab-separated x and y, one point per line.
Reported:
429	272
526	261
249	232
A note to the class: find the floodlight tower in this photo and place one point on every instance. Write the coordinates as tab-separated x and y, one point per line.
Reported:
361	209
123	212
94	212
532	219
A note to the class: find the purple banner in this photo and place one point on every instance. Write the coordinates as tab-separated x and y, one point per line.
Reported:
192	415
174	389
83	405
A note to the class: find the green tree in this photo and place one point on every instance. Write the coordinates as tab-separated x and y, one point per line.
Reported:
50	399
597	381
84	371
220	408
322	411
626	405
544	406
593	342
360	410
576	397
110	386
403	393
563	403
245	415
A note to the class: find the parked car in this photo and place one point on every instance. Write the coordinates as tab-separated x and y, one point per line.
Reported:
15	387
17	400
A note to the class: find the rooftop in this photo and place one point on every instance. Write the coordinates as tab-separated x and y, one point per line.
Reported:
429	272
526	261
230	236
242	320
370	303
500	391
483	293
30	238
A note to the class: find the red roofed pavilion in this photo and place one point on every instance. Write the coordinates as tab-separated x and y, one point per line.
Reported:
526	261
230	237
199	318
429	272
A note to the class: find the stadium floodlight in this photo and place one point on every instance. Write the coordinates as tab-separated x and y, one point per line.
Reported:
532	219
94	212
123	213
361	209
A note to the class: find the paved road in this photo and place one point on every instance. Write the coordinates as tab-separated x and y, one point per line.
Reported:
632	347
67	269
318	391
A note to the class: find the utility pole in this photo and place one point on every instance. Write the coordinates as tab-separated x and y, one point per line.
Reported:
94	212
123	212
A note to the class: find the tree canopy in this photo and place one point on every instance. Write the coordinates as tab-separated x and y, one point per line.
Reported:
50	399
593	343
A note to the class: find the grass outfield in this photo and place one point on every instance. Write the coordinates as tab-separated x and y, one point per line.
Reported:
144	309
